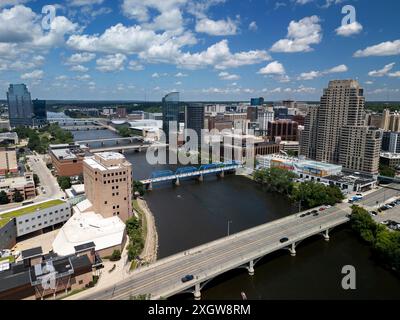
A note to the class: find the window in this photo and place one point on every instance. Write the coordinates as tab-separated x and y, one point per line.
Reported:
20	222
105	202
39	217
80	281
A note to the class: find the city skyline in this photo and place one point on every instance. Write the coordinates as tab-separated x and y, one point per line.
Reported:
207	50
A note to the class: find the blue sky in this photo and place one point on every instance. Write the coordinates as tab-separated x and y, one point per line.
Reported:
206	49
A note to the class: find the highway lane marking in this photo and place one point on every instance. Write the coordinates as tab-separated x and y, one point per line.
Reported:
198	265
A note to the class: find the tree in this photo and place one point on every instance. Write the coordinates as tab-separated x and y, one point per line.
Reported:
313	194
124	132
138	187
276	180
116	255
387	171
4	198
18	196
64	182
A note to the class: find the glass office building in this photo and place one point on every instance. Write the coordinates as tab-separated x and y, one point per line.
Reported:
20	108
195	118
170	111
39	111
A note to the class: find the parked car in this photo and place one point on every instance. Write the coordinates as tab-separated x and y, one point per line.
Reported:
283	240
316	214
187	278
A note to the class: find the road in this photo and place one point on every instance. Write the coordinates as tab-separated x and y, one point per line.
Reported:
47	180
380	196
163	278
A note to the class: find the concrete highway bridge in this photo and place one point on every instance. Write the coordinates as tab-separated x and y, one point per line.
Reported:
116	140
189	172
206	262
123	149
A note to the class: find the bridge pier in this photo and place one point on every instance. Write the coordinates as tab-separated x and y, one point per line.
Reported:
149	186
221	174
177	182
292	249
200	178
197	292
326	235
250	268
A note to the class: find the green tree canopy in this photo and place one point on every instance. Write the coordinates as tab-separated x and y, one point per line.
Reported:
18	196
64	182
3	197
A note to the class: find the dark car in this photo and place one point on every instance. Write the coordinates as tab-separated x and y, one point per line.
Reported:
187	278
302	216
283	240
314	211
316	214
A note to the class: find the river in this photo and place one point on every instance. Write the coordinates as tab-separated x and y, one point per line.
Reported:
196	213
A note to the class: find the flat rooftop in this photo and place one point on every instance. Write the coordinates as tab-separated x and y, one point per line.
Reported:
5	217
83	228
390	155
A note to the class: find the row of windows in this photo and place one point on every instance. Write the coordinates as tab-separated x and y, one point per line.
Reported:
105	202
44	216
113	174
40	224
113	181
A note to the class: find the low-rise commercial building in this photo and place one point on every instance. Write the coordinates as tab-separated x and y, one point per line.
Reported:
41	276
9	138
308	170
32	218
25	185
67	159
8	161
390	159
290	146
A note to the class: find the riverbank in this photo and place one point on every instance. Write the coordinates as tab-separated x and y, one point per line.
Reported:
149	253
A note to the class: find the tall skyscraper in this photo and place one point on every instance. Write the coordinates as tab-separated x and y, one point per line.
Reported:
308	145
194	119
40	113
108	184
335	132
170	111
342	104
20	108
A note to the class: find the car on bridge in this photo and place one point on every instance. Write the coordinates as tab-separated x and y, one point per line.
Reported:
283	240
187	278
